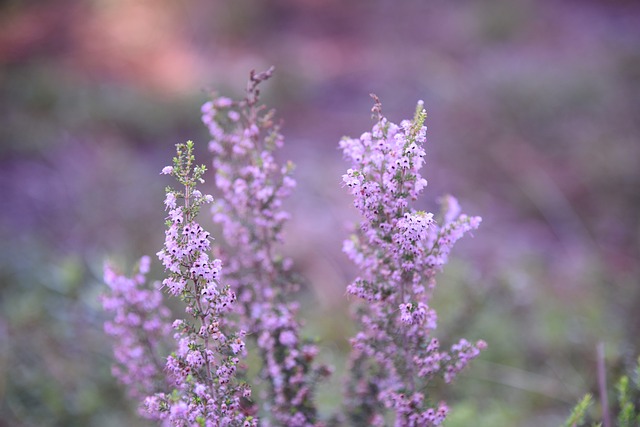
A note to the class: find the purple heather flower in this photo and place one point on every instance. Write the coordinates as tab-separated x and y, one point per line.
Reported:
139	327
197	382
399	251
253	187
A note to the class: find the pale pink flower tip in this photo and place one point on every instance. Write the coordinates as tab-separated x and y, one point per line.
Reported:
167	170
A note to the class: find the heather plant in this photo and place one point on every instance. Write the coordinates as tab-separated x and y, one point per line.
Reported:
193	376
139	329
202	368
253	187
398	251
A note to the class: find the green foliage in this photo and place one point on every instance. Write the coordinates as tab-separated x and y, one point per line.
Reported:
579	411
629	415
628	392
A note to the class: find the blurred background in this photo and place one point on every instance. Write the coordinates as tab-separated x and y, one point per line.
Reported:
534	124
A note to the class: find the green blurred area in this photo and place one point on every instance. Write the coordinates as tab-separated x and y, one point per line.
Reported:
533	124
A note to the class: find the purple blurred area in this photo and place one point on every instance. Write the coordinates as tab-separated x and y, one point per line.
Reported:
534	124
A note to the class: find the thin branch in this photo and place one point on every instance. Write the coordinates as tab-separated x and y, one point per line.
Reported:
602	385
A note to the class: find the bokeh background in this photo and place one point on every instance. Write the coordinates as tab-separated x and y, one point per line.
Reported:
534	124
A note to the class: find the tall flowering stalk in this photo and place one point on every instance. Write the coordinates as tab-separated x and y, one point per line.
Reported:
253	187
204	365
398	250
199	387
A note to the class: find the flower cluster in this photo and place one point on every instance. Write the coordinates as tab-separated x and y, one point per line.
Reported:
398	251
253	187
194	385
139	328
203	366
188	372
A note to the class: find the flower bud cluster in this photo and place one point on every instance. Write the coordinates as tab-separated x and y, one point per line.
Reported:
398	251
253	187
